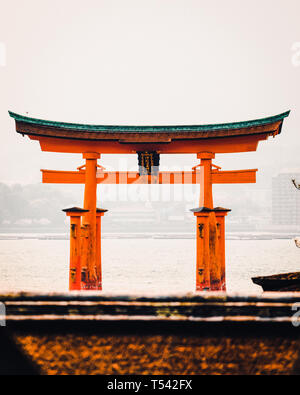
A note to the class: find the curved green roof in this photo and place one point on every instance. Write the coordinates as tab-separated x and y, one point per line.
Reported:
147	129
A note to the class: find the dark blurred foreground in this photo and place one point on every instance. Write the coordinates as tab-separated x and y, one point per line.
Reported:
203	334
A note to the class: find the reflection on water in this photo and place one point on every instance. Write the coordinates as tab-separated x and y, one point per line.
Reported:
141	265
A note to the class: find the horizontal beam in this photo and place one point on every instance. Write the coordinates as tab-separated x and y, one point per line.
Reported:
224	145
166	177
234	176
63	177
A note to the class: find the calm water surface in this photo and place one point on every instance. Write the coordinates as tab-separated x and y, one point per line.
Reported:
141	265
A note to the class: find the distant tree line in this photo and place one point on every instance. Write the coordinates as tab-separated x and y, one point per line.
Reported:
32	204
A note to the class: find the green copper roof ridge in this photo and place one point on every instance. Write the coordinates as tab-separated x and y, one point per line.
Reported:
145	129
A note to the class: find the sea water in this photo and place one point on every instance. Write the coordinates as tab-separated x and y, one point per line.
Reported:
137	266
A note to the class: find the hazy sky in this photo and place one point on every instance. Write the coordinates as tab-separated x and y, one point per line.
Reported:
148	62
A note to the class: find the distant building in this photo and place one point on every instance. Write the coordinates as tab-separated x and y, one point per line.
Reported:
285	199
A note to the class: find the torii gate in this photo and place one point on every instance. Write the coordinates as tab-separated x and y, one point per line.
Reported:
148	142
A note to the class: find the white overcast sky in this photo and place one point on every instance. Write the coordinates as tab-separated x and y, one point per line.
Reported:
148	62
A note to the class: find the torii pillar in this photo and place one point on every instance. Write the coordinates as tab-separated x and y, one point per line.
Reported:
92	281
76	236
210	261
86	241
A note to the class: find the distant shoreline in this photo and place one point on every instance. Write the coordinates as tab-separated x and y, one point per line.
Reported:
159	236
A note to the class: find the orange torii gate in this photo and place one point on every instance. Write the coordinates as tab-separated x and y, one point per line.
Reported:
148	142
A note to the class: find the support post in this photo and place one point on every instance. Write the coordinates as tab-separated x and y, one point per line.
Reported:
221	213
202	252
99	213
206	195
90	203
214	254
208	255
206	201
75	215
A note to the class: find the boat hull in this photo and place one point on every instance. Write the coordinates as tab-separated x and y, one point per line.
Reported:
288	282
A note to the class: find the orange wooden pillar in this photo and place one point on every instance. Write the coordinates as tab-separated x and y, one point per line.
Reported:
208	256
214	254
75	215
89	221
206	195
203	258
99	213
220	217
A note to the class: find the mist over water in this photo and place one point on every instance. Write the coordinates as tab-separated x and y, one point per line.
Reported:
151	266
